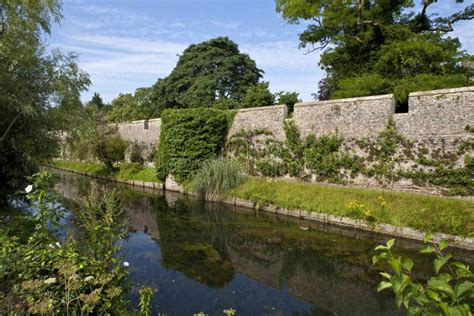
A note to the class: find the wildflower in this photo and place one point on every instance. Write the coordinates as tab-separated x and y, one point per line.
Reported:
29	188
49	281
58	244
304	227
88	278
125	264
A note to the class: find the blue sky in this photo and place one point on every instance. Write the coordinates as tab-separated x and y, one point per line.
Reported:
127	44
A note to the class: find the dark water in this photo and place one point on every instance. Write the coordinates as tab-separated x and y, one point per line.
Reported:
209	256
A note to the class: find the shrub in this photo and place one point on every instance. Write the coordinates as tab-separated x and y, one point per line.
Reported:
136	154
48	277
189	137
217	177
110	148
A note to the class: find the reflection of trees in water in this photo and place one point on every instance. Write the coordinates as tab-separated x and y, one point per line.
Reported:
208	243
191	242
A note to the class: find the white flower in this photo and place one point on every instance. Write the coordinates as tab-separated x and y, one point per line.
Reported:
50	246
126	264
29	188
58	244
87	279
50	281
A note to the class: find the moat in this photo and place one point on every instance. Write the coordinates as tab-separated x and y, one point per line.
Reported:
210	256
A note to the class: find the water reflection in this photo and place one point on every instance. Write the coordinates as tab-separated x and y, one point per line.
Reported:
208	256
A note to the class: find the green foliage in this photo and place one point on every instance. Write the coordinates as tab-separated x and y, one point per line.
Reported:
31	82
388	45
188	138
110	147
269	157
45	276
128	107
449	291
359	86
258	95
321	155
216	177
287	98
96	101
136	153
146	295
205	73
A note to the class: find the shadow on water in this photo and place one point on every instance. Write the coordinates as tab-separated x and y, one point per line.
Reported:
209	256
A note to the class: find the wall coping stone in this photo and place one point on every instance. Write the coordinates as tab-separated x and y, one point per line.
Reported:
367	98
263	108
442	91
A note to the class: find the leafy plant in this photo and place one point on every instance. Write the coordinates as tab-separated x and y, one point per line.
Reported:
136	154
51	276
450	291
146	295
110	148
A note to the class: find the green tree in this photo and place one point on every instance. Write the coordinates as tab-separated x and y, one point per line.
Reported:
96	101
31	83
128	107
109	147
288	98
205	73
258	95
384	42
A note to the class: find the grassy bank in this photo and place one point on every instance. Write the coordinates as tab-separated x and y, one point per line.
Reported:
122	171
427	213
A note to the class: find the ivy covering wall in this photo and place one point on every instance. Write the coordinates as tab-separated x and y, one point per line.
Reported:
189	137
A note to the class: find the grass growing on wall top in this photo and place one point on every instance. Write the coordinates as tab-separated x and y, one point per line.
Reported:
427	213
124	171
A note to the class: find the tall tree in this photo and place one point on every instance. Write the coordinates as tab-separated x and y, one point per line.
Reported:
386	43
205	73
96	101
31	83
127	107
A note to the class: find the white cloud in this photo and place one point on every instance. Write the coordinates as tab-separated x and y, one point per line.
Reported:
226	25
129	44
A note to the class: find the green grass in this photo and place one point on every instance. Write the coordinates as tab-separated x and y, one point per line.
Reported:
424	212
122	171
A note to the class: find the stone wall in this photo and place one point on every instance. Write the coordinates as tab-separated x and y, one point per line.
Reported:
438	113
434	127
364	117
270	118
145	133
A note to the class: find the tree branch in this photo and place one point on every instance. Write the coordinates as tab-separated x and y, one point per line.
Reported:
10	126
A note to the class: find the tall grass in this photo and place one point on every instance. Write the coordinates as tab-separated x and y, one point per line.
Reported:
216	177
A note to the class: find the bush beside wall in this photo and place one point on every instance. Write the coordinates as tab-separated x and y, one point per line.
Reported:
189	137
